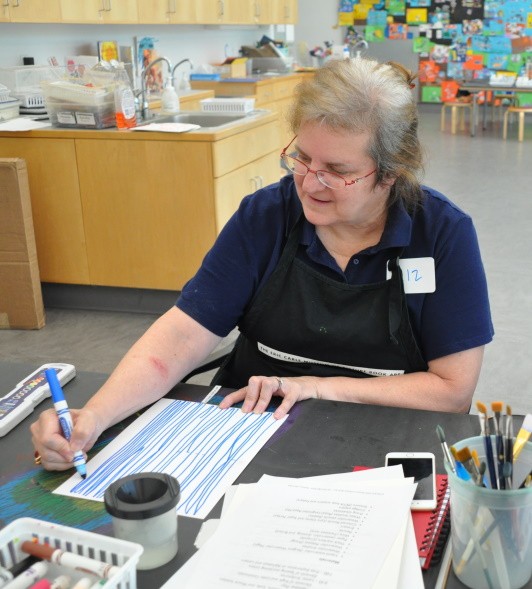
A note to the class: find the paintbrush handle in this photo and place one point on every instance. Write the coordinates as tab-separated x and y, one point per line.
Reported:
490	461
500	460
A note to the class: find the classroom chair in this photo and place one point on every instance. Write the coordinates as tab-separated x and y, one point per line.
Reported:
499	101
521	111
458	110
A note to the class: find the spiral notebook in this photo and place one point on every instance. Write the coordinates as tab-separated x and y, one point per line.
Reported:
432	527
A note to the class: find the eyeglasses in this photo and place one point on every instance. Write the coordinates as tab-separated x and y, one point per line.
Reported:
328	179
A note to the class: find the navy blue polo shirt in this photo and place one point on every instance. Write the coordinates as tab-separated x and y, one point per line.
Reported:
454	318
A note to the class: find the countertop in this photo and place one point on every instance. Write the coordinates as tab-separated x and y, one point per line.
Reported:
254	119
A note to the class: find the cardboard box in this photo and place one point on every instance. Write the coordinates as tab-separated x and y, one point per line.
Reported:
21	305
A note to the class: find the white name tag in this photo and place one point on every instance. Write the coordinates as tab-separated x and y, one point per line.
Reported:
418	275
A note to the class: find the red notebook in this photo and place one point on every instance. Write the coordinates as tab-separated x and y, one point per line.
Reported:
431	527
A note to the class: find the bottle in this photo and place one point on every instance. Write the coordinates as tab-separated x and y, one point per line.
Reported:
169	100
125	107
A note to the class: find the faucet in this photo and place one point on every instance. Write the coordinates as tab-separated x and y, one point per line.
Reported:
177	65
142	93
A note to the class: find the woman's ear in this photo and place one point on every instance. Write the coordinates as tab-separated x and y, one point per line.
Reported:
388	182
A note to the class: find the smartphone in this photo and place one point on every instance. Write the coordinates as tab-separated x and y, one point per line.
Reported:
421	466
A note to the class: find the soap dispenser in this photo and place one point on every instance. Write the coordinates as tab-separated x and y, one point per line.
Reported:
169	100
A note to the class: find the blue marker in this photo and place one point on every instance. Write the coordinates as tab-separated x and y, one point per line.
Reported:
65	419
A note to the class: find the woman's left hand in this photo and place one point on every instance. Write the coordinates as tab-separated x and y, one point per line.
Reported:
260	390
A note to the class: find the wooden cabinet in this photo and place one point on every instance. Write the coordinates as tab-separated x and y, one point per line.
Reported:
224	12
167	11
148	212
275	11
30	11
236	12
232	187
138	210
99	11
56	206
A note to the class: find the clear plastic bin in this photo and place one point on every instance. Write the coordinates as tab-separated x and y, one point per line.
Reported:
74	105
17	78
106	549
81	116
9	110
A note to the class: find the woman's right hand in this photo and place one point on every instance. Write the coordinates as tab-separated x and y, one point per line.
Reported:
56	452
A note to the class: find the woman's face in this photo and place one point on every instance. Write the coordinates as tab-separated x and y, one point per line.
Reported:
345	153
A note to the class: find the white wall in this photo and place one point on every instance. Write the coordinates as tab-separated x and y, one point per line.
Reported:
201	44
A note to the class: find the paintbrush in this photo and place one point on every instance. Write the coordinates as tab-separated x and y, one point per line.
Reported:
461	471
508	450
464	457
446	453
484	431
522	436
496	407
507	473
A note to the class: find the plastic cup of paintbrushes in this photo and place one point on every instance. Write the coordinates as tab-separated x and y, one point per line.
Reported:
143	510
491	529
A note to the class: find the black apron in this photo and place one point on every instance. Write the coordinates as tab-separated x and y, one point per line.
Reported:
302	323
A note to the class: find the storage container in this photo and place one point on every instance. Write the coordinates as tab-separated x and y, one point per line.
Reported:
74	105
106	549
4	94
9	110
228	105
21	77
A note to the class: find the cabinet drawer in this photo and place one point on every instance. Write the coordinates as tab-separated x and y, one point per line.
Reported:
230	189
264	93
284	88
237	150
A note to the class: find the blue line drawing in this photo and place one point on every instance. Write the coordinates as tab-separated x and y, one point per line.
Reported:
203	447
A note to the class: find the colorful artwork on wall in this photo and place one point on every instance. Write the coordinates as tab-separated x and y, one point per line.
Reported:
456	40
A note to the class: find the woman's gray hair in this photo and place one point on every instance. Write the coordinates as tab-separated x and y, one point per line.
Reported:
363	95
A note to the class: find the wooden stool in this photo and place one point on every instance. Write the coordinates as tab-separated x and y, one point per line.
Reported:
457	108
521	111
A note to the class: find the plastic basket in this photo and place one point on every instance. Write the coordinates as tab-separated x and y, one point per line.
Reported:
18	78
4	94
77	93
103	548
30	98
228	105
9	110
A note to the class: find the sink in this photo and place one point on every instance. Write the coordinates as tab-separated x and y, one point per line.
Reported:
203	119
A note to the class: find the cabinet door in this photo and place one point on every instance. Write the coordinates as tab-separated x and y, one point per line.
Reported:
34	10
224	12
166	11
99	11
56	206
88	11
148	209
264	11
120	11
5	15
289	11
233	187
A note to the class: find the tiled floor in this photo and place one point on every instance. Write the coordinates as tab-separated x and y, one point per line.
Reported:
489	178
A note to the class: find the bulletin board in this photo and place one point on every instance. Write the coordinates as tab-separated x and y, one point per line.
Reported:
456	40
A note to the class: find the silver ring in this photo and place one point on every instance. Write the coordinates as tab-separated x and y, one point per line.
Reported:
280	382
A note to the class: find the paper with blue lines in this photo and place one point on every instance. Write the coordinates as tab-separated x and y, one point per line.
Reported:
204	447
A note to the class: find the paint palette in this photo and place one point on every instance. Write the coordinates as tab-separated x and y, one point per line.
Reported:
20	402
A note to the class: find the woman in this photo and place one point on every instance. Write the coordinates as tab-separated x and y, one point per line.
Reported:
348	280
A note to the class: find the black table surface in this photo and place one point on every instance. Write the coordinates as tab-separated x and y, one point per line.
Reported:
319	437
